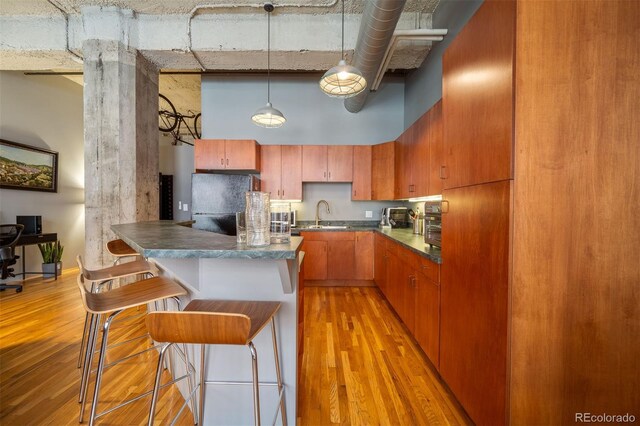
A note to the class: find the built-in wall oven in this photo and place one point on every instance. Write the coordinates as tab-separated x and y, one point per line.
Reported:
433	223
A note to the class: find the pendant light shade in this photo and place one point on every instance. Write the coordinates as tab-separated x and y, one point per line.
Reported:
343	81
268	116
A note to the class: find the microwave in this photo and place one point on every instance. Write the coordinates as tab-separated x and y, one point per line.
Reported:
397	217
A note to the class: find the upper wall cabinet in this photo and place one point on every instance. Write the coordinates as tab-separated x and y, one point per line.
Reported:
361	188
327	163
418	156
477	98
281	171
436	147
382	171
227	154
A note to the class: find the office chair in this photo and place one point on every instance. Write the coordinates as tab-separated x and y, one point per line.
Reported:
9	235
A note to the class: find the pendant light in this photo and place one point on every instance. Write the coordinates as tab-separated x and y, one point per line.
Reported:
343	81
268	116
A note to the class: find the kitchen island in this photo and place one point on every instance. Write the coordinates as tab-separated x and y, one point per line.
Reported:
214	266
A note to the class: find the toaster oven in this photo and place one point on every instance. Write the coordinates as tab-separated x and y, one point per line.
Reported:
433	223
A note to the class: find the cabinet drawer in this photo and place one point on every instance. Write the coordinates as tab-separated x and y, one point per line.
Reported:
429	269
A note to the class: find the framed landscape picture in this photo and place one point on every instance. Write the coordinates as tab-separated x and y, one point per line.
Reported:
28	168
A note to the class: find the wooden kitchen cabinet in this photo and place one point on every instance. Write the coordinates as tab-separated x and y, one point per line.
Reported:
413	164
227	154
281	171
477	87
315	258
436	150
427	314
382	171
364	253
341	258
400	285
474	298
327	163
362	163
339	255
380	262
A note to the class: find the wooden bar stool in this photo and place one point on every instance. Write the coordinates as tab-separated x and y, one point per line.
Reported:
216	322
95	279
112	303
119	249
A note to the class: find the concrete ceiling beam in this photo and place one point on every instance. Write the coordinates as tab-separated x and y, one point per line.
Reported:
229	41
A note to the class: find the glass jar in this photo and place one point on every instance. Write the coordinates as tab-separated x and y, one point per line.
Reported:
280	223
257	218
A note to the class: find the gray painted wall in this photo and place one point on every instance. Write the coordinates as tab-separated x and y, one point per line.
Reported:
423	87
338	195
313	118
46	112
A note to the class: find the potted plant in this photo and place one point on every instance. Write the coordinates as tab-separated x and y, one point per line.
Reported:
51	258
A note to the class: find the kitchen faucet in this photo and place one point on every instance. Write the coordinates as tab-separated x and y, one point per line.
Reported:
318	210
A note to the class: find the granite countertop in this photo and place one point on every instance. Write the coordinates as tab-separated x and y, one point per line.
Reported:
405	236
173	239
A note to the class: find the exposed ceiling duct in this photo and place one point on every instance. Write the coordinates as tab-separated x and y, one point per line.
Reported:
379	21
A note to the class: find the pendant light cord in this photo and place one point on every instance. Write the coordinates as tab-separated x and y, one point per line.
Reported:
268	56
342	29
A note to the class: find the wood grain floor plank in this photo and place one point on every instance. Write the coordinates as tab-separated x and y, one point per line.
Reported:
383	376
360	365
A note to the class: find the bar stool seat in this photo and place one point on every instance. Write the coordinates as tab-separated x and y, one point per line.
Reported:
122	270
216	322
112	303
119	249
94	279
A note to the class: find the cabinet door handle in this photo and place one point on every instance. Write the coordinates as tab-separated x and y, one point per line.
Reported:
227	161
412	281
222	161
445	206
443	172
324	174
283	193
329	175
278	192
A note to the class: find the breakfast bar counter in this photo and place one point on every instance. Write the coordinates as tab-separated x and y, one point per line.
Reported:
214	266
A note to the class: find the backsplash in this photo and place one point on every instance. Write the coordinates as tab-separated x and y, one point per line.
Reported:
338	195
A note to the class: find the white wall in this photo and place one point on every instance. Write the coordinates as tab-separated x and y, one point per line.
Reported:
178	160
46	112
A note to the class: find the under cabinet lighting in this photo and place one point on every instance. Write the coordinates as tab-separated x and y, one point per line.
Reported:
428	198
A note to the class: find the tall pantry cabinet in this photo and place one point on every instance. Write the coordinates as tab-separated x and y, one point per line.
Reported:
540	314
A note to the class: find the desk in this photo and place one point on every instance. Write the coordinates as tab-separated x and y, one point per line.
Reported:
27	240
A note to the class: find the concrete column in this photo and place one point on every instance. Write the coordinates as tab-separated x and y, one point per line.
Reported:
121	142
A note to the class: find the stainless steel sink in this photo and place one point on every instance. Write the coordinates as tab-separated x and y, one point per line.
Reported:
328	227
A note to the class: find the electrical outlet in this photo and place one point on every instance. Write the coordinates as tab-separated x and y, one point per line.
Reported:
179	205
185	207
368	214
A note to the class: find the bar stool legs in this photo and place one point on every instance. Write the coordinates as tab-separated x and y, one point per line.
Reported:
283	411
199	415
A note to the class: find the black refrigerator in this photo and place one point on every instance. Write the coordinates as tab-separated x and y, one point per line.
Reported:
215	199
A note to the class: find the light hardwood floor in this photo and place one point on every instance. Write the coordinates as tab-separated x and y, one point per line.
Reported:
360	366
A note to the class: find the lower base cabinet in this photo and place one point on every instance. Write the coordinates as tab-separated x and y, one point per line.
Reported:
427	317
338	255
410	283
